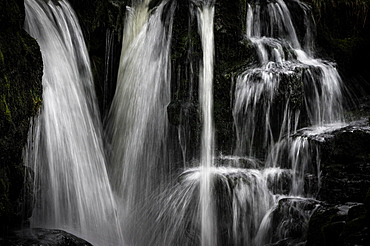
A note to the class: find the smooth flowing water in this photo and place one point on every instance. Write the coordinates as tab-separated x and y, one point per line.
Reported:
205	21
72	188
137	122
122	191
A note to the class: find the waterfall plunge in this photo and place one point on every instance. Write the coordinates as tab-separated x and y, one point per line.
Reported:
208	218
137	123
66	150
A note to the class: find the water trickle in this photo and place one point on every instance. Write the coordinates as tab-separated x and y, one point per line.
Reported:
65	146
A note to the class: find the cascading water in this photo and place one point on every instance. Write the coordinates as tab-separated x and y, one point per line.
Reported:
286	89
137	121
226	200
285	74
66	149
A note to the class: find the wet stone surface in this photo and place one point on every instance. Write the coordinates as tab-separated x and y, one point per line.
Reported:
40	236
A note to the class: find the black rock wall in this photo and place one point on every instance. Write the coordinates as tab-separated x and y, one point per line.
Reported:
20	99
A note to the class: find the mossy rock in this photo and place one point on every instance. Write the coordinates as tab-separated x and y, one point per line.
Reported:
322	224
20	99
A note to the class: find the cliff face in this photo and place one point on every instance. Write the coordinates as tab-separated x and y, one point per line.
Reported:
20	99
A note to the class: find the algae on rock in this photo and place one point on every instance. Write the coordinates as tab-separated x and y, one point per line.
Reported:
20	99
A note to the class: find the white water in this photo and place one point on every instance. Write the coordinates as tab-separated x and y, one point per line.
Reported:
232	204
284	74
137	123
267	112
208	219
66	150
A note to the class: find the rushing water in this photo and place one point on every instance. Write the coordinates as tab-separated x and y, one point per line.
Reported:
137	122
71	182
121	190
205	22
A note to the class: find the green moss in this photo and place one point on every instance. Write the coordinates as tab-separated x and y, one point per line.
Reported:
2	57
5	108
345	44
20	98
37	101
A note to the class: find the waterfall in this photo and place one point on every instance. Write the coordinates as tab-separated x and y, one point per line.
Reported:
65	147
285	73
114	183
137	124
284	90
205	22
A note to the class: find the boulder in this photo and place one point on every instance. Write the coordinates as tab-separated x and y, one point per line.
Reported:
39	236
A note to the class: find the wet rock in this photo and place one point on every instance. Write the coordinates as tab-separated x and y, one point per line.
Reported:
40	236
345	164
290	219
339	225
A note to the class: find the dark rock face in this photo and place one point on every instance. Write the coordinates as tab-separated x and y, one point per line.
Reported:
102	24
345	225
20	99
345	165
297	211
345	182
343	34
43	237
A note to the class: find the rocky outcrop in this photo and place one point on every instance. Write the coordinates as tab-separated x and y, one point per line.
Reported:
20	99
345	164
341	225
40	236
343	216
